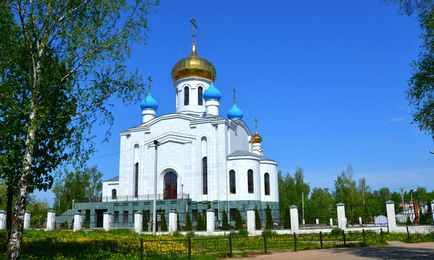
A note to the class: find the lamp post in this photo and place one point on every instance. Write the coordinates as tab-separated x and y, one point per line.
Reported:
302	207
154	209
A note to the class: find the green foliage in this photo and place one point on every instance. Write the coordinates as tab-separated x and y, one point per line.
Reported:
238	220
258	224
269	233
188	225
78	186
163	222
225	221
268	218
178	225
190	234
243	232
336	232
320	205
286	219
145	221
200	225
38	209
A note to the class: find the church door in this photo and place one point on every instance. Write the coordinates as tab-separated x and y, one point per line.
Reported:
170	186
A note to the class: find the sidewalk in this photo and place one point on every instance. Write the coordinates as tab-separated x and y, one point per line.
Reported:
395	250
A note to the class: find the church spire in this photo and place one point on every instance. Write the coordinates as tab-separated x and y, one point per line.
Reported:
193	32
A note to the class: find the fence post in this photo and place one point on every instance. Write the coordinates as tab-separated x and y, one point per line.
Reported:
408	233
432	211
107	221
138	222
391	219
189	246
251	227
210	221
364	236
342	220
293	212
2	219
320	238
141	248
27	216
230	245
173	221
265	243
381	233
343	237
295	242
51	220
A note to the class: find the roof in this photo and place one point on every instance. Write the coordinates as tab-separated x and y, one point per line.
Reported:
112	179
240	153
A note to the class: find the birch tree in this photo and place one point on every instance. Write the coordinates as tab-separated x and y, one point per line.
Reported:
73	53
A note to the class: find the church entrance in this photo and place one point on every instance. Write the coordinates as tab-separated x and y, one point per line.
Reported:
170	186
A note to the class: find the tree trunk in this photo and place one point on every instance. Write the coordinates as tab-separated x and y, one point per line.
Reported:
14	245
9	201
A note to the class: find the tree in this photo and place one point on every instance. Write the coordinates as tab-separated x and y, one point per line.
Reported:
238	220
145	221
268	218
320	205
188	225
163	222
421	84
39	210
200	225
79	48
77	186
225	222
258	224
346	192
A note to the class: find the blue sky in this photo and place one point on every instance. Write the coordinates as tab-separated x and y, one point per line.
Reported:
327	81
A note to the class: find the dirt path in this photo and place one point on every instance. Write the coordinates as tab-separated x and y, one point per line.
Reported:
395	250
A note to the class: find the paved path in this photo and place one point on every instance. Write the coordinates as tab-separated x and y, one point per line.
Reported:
395	250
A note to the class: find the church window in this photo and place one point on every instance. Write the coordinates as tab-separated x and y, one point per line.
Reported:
200	96
186	96
205	175
232	214
250	181
125	218
116	216
170	186
267	183
232	183
136	180
114	194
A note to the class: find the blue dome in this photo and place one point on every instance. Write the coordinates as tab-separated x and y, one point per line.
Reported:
149	103
235	113
212	93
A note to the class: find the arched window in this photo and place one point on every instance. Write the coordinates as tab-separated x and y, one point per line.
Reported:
267	183
136	180
186	96
205	175
200	96
250	181
170	186
114	195
232	184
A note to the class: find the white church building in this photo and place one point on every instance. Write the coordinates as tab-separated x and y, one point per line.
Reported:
202	158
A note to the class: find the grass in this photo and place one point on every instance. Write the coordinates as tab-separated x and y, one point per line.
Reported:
122	244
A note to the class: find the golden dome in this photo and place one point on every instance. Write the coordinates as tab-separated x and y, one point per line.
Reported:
193	66
256	138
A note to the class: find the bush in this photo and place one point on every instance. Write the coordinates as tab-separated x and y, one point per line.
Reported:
268	218
225	224
200	223
243	232
336	232
188	225
269	233
163	222
258	224
190	234
238	220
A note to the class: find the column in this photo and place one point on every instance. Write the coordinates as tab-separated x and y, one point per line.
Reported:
317	221
293	212
391	218
2	219
251	219
360	221
51	220
432	211
173	221
78	222
210	221
107	221
138	222
331	222
27	217
342	220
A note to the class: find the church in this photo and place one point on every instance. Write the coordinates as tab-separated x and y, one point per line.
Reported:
201	158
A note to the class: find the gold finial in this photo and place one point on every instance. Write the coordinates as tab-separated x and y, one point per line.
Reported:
193	32
256	138
149	84
235	96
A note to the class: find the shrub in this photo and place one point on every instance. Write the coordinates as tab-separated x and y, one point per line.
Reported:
200	223
268	218
190	234
145	219
238	220
269	233
258	224
336	232
243	232
225	224
163	222
188	225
